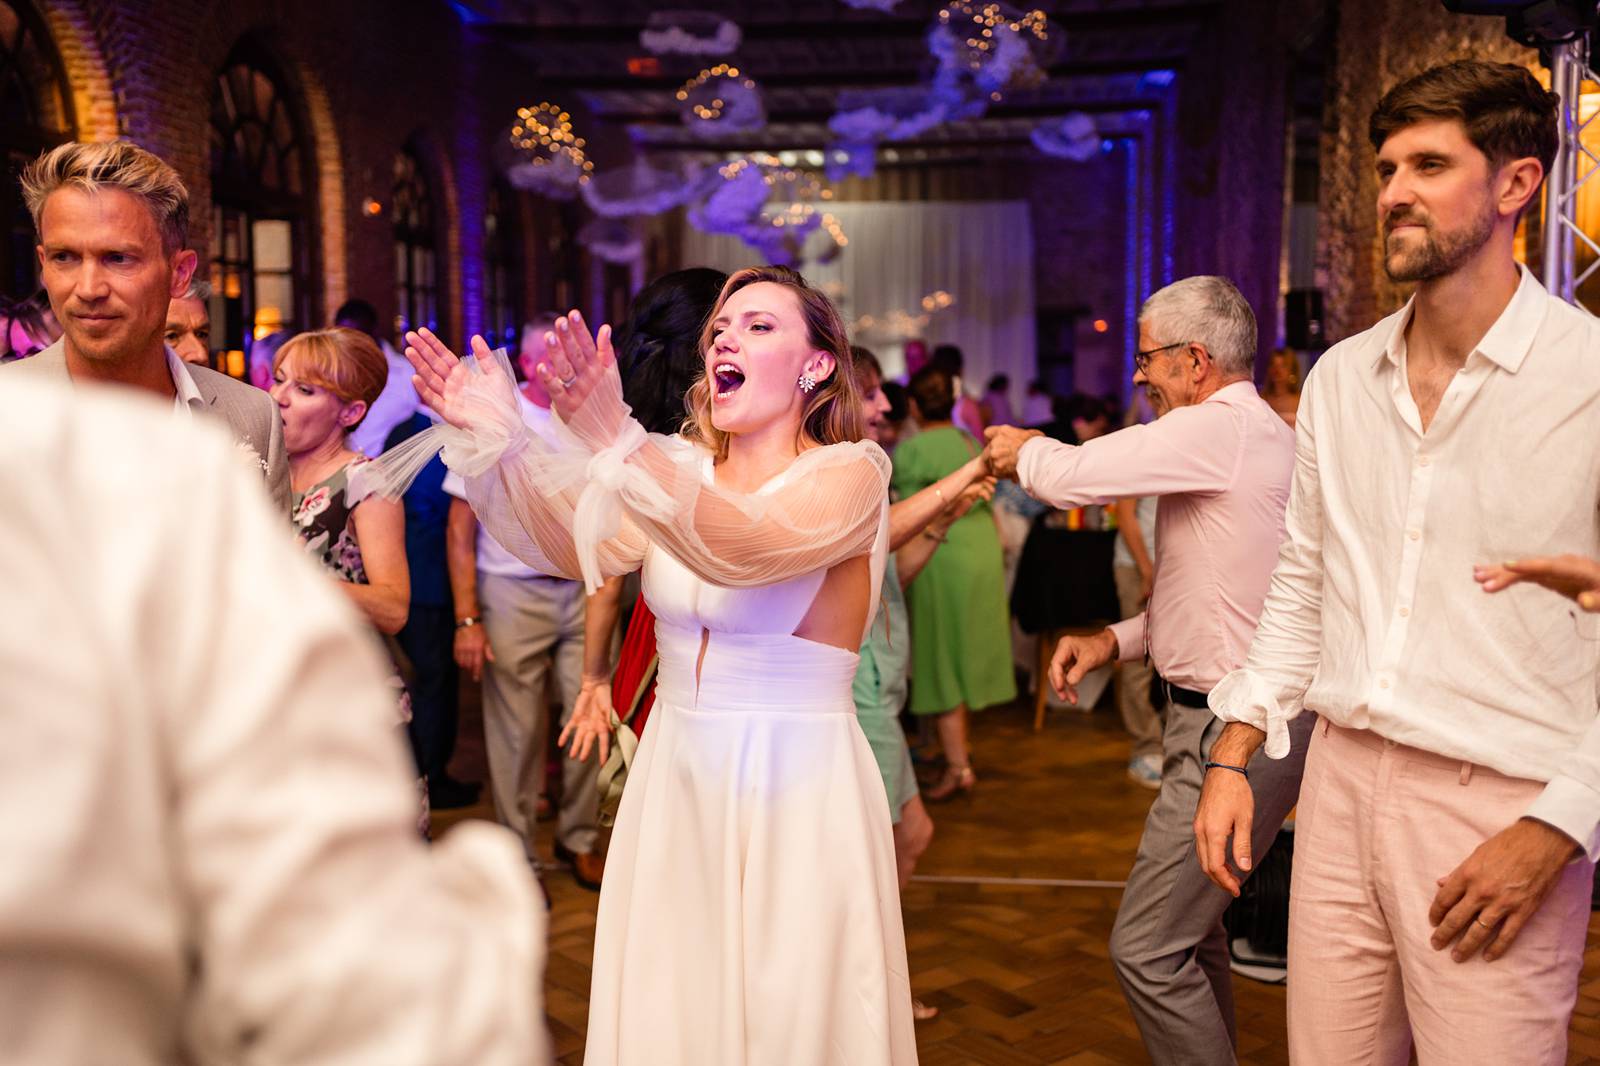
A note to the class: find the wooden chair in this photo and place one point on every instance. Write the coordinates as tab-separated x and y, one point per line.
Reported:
1047	642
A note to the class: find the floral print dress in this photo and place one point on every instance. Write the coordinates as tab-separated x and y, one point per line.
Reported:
324	520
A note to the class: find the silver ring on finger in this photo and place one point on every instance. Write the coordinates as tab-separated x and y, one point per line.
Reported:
567	383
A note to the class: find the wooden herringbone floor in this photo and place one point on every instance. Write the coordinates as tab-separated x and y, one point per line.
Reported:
1020	972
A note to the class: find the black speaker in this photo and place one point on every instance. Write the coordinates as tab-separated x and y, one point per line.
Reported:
1302	320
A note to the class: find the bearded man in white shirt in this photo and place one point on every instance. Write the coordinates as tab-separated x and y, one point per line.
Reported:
1447	827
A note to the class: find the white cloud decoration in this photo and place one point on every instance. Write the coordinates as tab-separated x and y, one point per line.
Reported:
690	33
1073	137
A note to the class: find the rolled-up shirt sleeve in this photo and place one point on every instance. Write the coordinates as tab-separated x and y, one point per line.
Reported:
1270	689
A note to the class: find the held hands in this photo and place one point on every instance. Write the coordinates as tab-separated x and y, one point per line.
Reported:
1075	657
1574	576
1491	895
1005	442
982	489
590	724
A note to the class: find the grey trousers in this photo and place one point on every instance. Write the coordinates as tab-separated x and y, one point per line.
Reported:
1139	718
1168	944
534	625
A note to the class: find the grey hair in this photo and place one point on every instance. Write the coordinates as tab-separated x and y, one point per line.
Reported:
1205	309
199	289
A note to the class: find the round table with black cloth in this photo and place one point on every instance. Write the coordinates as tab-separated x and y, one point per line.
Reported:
1065	579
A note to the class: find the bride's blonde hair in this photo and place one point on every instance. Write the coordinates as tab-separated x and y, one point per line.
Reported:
833	411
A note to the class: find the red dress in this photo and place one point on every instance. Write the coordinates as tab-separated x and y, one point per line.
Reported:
633	687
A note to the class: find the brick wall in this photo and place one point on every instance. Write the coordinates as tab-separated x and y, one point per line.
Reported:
1379	43
370	76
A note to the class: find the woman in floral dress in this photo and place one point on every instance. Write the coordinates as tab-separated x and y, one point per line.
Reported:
324	383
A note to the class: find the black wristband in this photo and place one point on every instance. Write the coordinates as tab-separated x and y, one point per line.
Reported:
1225	766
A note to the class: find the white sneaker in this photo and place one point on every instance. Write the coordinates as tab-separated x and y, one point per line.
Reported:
1145	771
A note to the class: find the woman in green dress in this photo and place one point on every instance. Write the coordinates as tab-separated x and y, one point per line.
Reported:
960	627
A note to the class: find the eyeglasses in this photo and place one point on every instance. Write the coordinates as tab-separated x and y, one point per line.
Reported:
1141	360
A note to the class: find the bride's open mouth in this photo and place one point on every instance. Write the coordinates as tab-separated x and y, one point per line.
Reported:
727	379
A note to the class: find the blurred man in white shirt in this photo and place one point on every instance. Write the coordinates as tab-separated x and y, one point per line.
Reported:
207	818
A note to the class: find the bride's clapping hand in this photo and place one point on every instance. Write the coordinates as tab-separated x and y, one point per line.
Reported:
442	378
579	371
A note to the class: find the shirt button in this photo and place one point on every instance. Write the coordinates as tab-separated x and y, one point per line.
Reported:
1405	612
1383	682
1414	534
1422	461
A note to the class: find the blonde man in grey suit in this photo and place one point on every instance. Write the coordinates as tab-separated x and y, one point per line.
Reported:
112	221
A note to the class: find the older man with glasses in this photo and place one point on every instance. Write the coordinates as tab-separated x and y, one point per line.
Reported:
1220	460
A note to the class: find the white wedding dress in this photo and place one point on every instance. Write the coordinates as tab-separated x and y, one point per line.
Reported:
750	913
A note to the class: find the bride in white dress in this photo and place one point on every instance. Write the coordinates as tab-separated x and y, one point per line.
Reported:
749	914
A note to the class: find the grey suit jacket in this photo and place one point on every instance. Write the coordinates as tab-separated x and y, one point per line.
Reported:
249	411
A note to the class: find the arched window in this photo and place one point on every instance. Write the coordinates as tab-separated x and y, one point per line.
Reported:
416	246
35	114
502	268
559	274
262	205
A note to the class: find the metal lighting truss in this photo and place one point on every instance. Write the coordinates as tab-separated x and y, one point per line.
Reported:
1568	61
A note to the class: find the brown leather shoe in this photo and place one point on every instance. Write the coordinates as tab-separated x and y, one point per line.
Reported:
587	867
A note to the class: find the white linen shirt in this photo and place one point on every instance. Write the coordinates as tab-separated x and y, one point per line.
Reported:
207	816
1373	618
188	398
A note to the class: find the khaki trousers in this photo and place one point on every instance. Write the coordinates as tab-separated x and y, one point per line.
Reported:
534	625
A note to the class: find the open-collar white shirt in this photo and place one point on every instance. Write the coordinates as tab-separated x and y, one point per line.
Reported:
188	398
1373	618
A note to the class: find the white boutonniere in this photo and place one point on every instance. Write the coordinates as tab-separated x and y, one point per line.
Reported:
252	457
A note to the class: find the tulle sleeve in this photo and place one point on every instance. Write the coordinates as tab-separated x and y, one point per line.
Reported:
589	504
528	493
826	508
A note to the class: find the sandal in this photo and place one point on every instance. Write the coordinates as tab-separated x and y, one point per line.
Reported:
955	779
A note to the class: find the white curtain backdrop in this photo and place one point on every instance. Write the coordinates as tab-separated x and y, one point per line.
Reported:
979	253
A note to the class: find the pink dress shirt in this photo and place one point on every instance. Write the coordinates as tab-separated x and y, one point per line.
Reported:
1222	468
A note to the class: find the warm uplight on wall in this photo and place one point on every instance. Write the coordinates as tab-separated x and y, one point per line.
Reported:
1101	325
269	320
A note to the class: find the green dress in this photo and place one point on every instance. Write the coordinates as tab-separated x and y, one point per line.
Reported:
880	692
960	623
